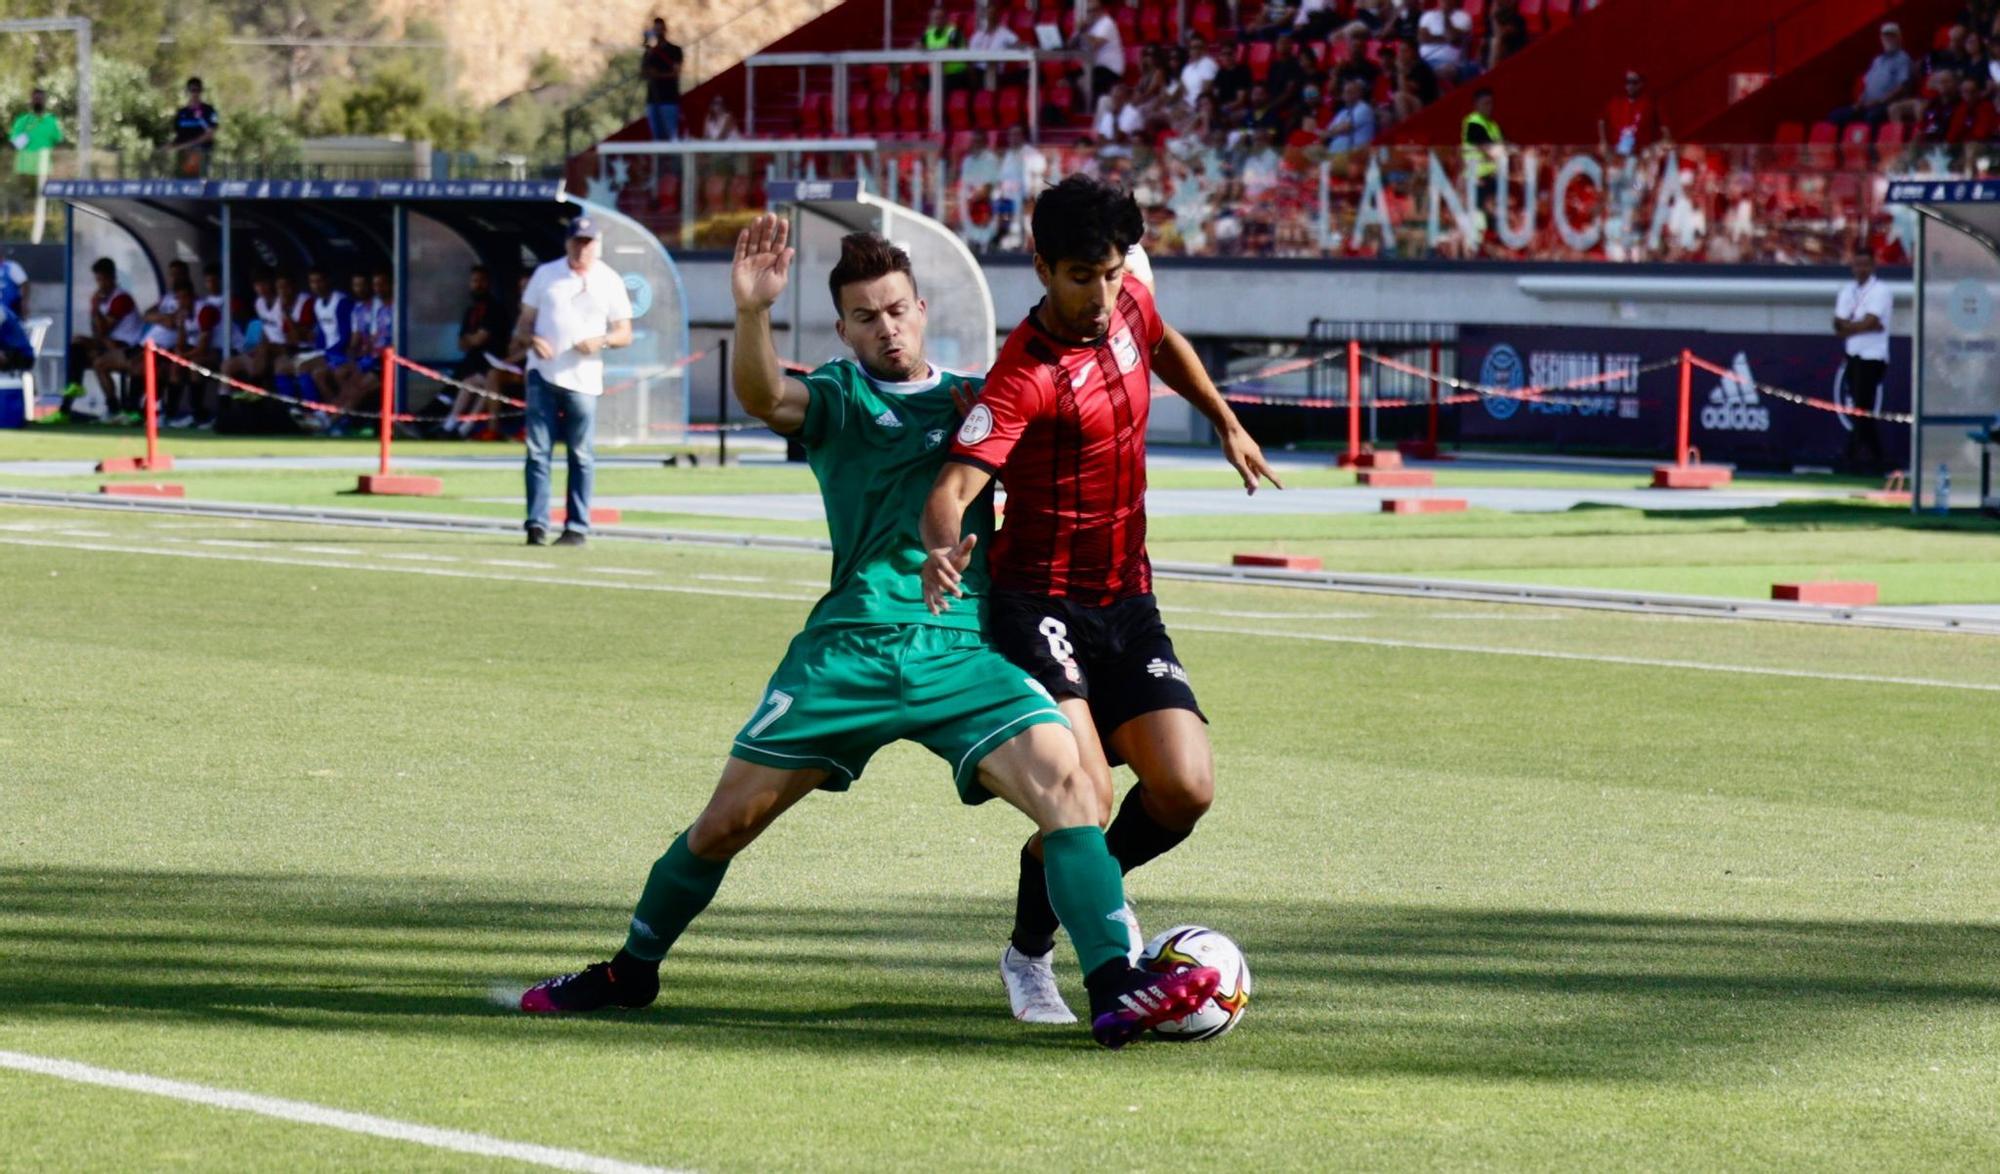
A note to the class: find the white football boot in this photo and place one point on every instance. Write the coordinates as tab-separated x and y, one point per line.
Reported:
1031	987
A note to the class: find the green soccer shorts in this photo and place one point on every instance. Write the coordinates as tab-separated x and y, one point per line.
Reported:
844	692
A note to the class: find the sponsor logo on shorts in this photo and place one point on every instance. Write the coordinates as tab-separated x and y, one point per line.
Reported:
1166	668
978	425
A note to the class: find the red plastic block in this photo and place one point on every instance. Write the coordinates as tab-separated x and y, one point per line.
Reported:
135	465
1690	476
1423	505
142	489
1852	593
1395	478
399	485
600	515
1379	459
1285	562
1886	496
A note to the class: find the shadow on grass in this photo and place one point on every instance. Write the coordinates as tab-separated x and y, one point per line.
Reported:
1834	515
1341	988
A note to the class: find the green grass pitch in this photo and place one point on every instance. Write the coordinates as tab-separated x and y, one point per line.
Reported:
283	805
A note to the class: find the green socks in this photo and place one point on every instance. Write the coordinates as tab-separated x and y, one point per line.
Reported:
1088	893
680	886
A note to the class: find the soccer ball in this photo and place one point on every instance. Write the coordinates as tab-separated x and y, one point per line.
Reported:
1192	945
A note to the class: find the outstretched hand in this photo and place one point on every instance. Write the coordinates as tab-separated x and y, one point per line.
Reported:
1248	460
944	570
763	263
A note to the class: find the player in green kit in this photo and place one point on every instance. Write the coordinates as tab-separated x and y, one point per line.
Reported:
873	665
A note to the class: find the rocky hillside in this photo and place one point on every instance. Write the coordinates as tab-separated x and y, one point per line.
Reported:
495	42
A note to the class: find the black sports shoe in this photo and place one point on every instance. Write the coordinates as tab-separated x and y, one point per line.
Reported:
538	536
571	538
593	988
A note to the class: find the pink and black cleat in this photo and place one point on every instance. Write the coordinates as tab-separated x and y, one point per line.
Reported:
1151	1000
594	988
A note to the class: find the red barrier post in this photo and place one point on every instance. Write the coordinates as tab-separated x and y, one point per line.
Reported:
1353	454
152	409
386	426
1687	394
385	483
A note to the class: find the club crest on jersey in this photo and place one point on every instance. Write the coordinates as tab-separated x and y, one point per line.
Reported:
933	438
1123	349
978	425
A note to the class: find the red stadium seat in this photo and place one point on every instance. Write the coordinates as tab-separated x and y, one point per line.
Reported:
910	113
1152	26
1790	134
982	110
1128	24
1022	22
1556	14
1061	99
1201	18
1260	60
882	112
1531	15
1054	73
878	77
1013	107
812	118
1819	150
963	142
1889	140
958	111
1133	54
858	121
1824	134
1854	145
1476	9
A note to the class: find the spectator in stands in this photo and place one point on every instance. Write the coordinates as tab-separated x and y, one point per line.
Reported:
1106	49
994	35
1506	32
195	125
1353	125
1200	71
661	67
1933	111
1482	143
1410	70
115	328
978	183
13	284
264	341
480	331
1979	60
1315	20
191	403
1972	118
721	123
1861	314
574	309
17	351
1277	19
1436	46
319	365
1232	80
1889	79
1403	16
34	134
1951	54
1631	121
374	331
1287	79
941	34
1023	171
1370	18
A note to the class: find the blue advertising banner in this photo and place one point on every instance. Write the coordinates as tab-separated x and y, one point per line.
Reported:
1730	419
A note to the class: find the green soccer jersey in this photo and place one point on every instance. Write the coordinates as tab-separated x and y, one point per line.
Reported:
876	448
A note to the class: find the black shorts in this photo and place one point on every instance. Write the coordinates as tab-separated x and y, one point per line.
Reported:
1118	657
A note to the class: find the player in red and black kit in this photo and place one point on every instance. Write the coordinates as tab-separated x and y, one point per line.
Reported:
1062	424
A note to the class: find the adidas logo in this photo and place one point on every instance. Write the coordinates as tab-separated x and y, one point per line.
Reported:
888	419
1734	405
1161	668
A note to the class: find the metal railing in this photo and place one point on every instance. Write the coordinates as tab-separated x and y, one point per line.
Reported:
842	65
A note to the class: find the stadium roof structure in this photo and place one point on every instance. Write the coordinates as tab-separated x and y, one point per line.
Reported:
427	233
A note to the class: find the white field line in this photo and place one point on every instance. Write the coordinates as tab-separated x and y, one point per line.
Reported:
521	564
307	1113
440	572
626	571
344	550
1266	633
234	542
413	557
1698	666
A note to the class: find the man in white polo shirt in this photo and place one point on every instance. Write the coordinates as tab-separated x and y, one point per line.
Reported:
572	311
1861	313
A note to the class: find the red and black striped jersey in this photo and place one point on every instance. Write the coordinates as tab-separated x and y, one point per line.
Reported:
1063	426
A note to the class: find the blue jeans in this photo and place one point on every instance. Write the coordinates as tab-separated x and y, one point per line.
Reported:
665	119
551	407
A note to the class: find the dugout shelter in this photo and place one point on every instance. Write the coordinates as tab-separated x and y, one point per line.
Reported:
427	234
1956	376
960	334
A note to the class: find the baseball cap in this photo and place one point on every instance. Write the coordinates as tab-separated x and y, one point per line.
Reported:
583	226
